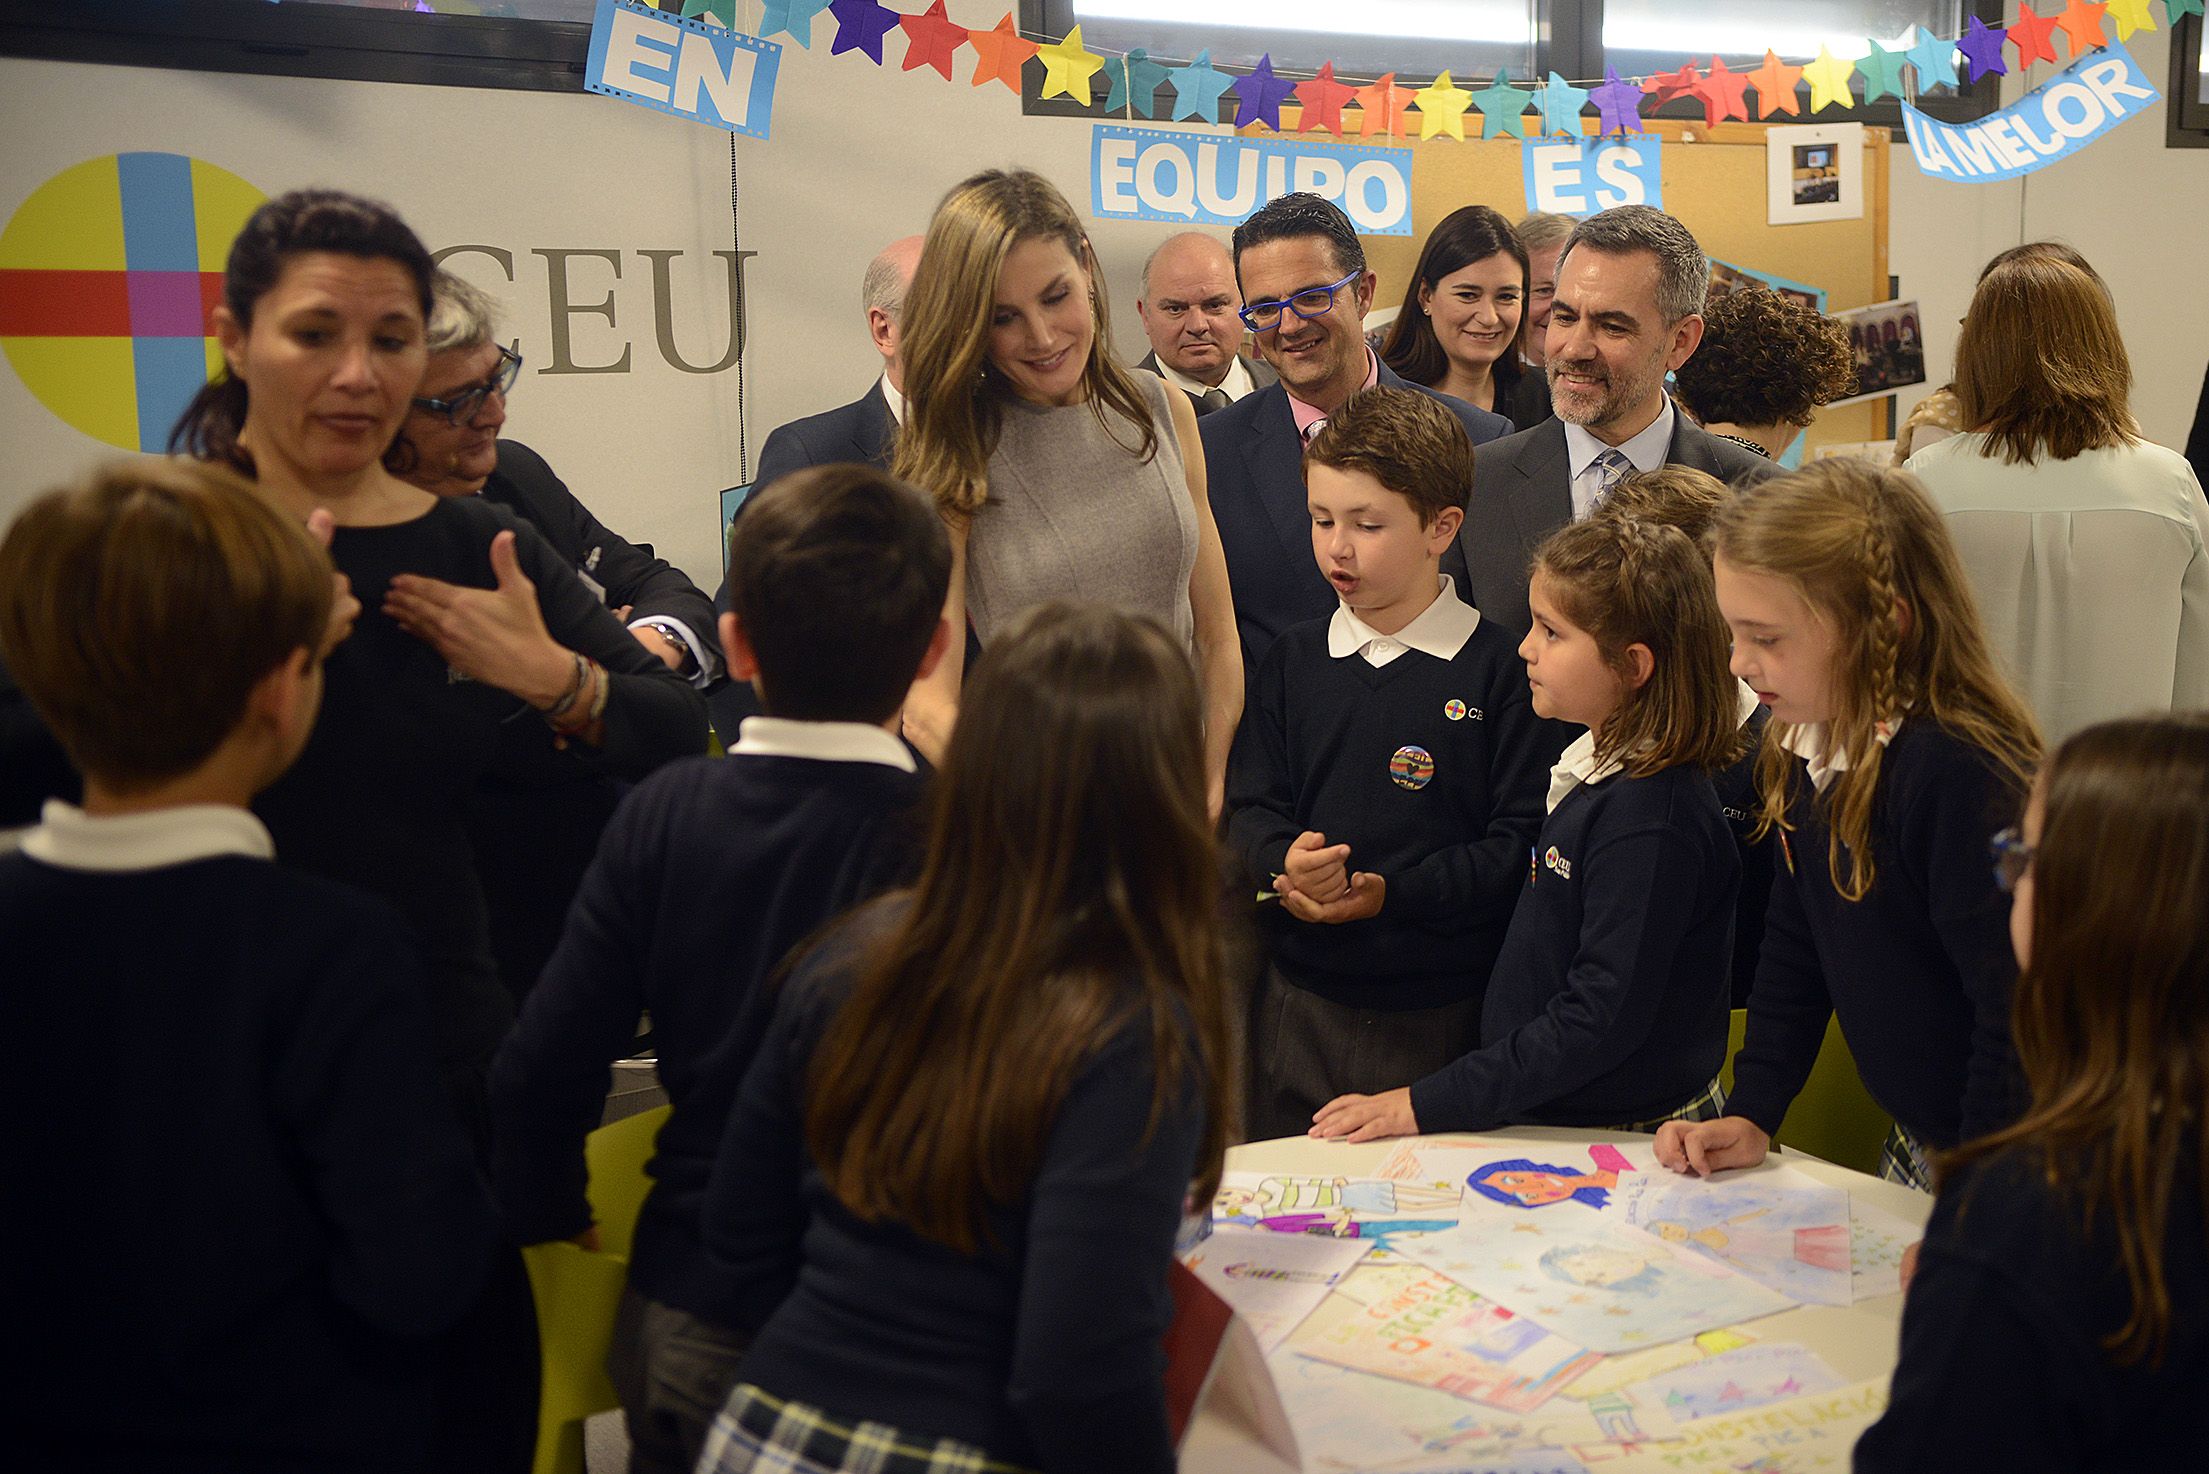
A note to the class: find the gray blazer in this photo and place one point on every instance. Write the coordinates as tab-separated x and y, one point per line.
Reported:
1522	492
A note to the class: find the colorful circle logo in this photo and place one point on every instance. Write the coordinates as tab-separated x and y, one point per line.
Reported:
1454	710
107	274
1411	767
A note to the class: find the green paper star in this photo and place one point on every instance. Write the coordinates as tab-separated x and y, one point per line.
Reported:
1881	70
1502	108
2175	11
721	12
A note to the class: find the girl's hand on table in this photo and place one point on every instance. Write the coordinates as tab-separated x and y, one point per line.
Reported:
1366	1117
1704	1147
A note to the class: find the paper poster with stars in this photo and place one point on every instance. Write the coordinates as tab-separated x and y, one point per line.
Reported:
1736	1381
1592	1280
1803	1435
1782	1228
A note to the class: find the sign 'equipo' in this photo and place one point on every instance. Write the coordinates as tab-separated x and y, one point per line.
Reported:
2081	103
1207	179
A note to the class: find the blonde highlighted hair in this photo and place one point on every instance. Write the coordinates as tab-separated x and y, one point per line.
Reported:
1629	583
954	398
1865	548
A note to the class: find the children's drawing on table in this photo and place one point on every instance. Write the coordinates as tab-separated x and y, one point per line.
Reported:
1735	1381
1519	1182
1241	1198
1783	1229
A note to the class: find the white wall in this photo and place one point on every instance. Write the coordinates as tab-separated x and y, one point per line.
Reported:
860	155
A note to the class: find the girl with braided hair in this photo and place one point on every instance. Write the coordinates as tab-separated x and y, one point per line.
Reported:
1607	1007
1895	748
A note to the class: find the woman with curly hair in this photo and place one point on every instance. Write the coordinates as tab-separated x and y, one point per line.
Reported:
1765	366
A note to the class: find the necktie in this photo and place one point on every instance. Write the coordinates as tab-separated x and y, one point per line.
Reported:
1609	467
1212	399
1311	431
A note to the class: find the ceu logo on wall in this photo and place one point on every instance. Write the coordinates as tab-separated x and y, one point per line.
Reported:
108	272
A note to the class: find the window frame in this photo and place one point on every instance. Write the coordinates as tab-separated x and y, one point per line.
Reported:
2184	107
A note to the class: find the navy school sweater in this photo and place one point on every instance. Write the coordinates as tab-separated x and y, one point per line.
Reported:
1432	771
710	871
1919	971
1737	797
1608	1004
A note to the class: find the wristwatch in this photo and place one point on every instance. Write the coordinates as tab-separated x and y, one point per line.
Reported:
671	632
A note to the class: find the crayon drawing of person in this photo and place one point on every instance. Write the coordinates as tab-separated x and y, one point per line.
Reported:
1824	1246
1602	1267
1519	1183
1323	1194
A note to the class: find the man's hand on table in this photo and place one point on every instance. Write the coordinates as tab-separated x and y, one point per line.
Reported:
1366	1117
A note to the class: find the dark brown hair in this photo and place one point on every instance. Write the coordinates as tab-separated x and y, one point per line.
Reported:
838	575
1670	496
1070	888
294	224
1626	583
2112	1011
140	606
1765	359
1406	441
1468	234
2041	367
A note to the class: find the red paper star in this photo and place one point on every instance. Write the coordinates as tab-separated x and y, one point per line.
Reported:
931	39
2082	26
1323	99
1384	104
1725	93
1000	53
1775	87
1667	85
2031	36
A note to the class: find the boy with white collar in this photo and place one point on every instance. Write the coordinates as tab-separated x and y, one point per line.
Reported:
258	1208
1388	776
711	871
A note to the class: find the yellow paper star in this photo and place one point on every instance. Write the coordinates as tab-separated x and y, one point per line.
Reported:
2131	15
1442	108
1829	80
1067	66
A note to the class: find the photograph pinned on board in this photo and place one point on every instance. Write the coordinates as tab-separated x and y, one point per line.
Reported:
1889	347
1814	172
1727	279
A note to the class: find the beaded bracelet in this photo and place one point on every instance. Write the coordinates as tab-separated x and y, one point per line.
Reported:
580	714
569	697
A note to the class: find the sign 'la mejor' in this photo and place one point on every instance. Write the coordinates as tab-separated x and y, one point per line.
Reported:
2081	103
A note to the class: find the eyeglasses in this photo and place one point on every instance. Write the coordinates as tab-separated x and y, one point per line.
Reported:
463	407
2012	858
1307	304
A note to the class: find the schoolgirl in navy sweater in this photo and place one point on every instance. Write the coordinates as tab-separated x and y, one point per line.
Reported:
1608	1005
1895	748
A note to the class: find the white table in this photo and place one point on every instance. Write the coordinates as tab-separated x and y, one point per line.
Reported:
1859	1341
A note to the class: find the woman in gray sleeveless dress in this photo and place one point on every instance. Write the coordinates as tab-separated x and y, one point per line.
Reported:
1061	474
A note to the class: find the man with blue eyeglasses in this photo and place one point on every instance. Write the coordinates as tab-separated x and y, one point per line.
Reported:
1306	291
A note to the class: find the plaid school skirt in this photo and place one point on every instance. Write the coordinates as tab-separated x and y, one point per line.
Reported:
1708	1106
766	1435
1902	1159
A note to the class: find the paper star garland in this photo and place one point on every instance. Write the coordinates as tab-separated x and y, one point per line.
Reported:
1442	108
1560	103
2175	11
1982	47
1323	99
931	39
2132	15
1881	70
1775	87
1258	96
1667	85
1935	61
1000	53
1725	93
1617	105
2031	34
1502	108
720	12
860	26
2082	27
1829	81
1383	105
1198	87
1135	78
1068	66
793	18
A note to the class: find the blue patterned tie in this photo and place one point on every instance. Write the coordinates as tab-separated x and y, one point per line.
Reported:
1609	467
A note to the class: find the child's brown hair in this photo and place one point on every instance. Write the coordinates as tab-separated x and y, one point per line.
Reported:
1407	442
1670	496
1626	583
139	608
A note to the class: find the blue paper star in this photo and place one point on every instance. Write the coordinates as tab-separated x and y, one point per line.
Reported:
1258	96
1560	103
1198	87
1502	108
794	17
1881	70
1618	104
1982	47
1935	60
860	26
1136	76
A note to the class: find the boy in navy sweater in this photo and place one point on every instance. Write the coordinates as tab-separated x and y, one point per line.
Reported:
708	874
1388	775
254	1209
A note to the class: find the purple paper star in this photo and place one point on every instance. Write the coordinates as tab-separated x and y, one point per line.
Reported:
1982	47
1618	104
1258	96
860	26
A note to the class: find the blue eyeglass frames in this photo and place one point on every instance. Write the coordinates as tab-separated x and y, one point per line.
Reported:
1312	302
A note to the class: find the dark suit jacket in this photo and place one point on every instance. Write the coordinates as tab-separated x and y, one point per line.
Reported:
1261	375
1254	469
1522	492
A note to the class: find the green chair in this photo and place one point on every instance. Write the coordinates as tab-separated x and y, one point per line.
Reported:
577	1292
1834	1117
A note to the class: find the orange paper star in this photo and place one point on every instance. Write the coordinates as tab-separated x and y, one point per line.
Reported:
1322	99
1000	53
2032	35
2082	26
1384	105
1775	87
1724	93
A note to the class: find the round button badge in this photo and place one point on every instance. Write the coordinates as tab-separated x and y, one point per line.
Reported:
1454	709
1411	767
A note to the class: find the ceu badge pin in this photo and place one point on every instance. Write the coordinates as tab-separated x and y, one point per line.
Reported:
1454	709
1411	767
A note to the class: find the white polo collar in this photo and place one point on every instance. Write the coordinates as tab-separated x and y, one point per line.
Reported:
828	742
1809	744
1440	630
70	839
